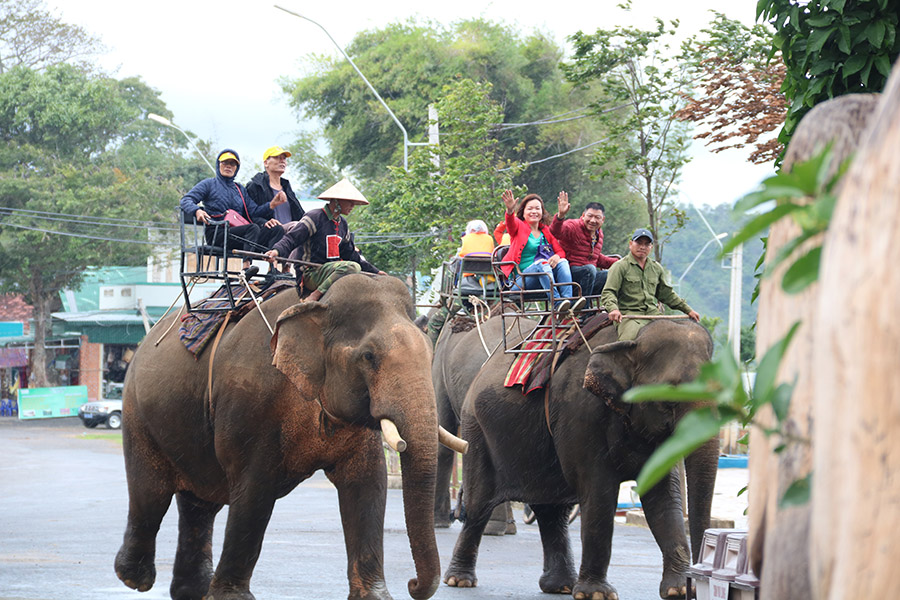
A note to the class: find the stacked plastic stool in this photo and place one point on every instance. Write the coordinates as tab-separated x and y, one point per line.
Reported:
723	570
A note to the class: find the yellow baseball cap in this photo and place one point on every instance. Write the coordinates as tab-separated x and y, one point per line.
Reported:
274	151
229	156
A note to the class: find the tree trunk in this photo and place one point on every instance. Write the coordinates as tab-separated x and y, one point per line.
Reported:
41	303
779	538
855	512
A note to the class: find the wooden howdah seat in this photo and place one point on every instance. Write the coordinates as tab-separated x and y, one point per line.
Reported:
202	262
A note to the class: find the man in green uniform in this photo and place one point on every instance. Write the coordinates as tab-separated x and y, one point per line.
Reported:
635	286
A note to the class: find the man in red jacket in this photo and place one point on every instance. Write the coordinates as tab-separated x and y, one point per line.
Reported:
582	240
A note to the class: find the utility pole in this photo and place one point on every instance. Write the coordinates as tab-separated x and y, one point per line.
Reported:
734	302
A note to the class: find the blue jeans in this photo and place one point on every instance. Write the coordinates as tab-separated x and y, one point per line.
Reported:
558	274
590	278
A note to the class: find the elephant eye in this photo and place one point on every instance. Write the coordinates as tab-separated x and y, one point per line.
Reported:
368	356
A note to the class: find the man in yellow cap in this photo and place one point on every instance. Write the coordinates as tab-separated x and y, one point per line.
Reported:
323	237
271	184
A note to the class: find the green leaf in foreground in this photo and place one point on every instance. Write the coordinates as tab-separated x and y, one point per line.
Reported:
797	493
803	273
696	428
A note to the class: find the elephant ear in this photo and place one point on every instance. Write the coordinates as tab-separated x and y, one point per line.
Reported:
610	369
298	348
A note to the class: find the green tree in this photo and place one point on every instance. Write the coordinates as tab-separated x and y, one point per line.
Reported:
541	116
831	48
32	37
446	185
645	147
79	171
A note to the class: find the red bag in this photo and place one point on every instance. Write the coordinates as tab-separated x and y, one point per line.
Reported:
234	218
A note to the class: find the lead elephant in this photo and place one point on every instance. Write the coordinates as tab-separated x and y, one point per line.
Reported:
459	354
263	426
580	450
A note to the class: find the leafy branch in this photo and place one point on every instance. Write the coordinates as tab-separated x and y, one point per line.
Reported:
807	195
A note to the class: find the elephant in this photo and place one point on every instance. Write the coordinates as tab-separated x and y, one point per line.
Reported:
262	425
579	448
458	356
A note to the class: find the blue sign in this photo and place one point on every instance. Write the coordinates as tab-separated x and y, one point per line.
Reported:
11	329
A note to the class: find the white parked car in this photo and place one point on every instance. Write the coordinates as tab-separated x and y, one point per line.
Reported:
101	411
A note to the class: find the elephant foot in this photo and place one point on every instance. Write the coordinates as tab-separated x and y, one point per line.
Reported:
378	591
666	591
463	578
556	582
136	570
595	591
189	588
219	591
673	585
495	528
443	520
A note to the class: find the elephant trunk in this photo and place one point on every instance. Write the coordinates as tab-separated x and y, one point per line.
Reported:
415	416
419	472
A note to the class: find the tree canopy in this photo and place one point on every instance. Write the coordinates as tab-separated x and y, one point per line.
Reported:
645	147
32	37
541	123
81	176
831	48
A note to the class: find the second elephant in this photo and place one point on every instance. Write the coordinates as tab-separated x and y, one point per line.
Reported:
586	444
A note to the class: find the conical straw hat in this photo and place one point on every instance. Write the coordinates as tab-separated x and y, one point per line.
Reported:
343	190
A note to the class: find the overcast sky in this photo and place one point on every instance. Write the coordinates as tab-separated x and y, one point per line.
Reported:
216	63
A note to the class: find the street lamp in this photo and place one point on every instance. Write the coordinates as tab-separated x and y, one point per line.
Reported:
718	239
406	142
734	299
168	123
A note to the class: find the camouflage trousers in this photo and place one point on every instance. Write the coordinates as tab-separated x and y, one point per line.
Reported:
321	278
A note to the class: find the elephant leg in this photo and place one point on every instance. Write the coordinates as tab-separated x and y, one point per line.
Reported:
700	468
443	516
559	565
663	510
498	521
362	496
150	490
598	512
442	509
248	516
478	478
192	572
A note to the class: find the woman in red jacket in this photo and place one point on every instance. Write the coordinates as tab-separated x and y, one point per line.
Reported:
534	249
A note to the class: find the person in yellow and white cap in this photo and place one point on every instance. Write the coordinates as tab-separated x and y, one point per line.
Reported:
271	184
323	237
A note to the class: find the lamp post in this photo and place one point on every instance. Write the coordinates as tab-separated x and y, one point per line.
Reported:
168	123
705	246
406	142
734	299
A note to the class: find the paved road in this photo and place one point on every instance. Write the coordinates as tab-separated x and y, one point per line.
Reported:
63	504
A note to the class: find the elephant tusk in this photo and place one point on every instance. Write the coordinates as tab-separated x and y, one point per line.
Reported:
451	441
392	436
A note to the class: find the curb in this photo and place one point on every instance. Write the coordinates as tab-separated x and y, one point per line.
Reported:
636	517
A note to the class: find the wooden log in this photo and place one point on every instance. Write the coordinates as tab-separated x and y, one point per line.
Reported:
779	538
856	491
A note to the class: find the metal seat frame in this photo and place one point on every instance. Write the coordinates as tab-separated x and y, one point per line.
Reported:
541	297
211	263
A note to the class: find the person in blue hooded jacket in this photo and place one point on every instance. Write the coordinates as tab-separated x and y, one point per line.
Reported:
221	193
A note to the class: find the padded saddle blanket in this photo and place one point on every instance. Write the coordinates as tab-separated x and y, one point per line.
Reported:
532	370
198	328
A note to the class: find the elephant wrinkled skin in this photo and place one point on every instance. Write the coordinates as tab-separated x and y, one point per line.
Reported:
597	442
340	366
